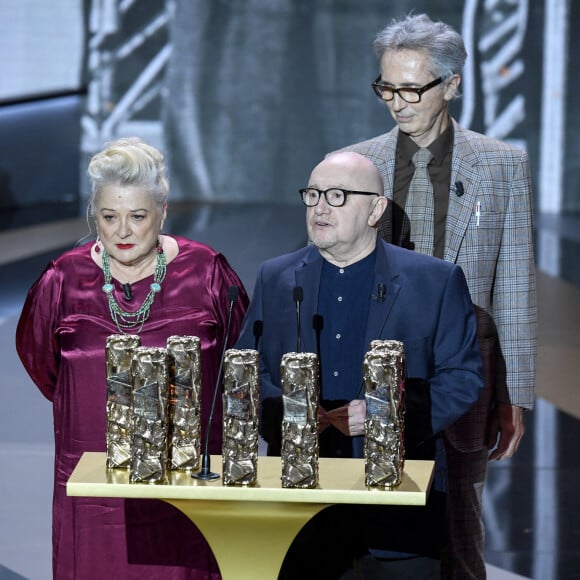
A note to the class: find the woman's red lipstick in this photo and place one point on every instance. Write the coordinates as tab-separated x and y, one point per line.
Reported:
125	246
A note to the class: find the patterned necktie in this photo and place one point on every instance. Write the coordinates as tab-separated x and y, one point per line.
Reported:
417	233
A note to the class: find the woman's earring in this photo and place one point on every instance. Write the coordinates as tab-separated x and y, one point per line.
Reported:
98	245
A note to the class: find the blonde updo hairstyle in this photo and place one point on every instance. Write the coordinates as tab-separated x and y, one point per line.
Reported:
126	162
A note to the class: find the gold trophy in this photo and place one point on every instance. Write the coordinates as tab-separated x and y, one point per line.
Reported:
300	393
184	408
241	401
149	449
119	354
384	381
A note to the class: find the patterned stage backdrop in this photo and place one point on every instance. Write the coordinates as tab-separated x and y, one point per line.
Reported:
246	97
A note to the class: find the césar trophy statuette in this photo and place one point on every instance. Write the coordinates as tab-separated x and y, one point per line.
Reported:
299	373
241	401
384	382
149	448
184	408
119	355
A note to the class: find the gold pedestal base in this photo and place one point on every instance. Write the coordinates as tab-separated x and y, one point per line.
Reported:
249	539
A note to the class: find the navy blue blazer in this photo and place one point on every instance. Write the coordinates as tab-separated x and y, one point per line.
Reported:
427	306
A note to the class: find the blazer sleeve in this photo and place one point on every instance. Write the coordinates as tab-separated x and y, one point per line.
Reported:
457	379
270	391
514	295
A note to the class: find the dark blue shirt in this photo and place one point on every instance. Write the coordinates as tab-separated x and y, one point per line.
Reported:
343	304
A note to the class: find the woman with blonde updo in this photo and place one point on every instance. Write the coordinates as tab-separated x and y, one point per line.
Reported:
135	280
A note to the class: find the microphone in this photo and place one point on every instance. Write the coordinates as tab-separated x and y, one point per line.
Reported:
127	291
258	330
205	472
317	325
298	296
381	292
459	188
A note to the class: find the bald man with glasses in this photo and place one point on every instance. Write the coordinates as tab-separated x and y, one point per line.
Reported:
356	288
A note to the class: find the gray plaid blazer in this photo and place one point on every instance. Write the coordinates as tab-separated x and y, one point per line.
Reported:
494	247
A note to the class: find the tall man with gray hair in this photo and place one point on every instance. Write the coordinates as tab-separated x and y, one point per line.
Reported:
466	198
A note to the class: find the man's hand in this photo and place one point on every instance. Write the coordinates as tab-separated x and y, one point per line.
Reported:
505	431
323	419
348	419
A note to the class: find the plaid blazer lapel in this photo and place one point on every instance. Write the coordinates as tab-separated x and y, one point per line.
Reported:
383	156
461	207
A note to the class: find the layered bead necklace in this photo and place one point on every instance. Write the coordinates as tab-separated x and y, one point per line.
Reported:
129	320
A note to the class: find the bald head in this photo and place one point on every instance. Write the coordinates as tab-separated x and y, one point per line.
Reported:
349	170
345	234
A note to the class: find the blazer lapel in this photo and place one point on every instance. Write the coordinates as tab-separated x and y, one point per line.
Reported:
384	158
307	275
380	311
461	207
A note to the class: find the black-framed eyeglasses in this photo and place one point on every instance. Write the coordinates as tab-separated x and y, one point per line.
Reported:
334	196
408	94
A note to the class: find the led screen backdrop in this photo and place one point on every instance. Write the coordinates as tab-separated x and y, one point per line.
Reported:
246	97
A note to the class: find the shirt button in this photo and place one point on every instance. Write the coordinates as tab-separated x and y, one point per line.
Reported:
341	270
338	336
335	373
340	298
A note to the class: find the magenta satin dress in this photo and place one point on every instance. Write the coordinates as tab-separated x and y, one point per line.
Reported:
60	339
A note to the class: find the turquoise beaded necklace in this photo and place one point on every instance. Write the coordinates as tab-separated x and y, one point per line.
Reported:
129	320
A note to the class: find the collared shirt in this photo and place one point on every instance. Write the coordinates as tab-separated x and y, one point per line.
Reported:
343	304
440	174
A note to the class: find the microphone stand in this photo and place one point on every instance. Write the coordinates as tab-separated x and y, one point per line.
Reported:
258	330
298	296
205	473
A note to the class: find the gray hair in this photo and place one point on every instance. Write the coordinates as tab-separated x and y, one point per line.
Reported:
418	32
125	162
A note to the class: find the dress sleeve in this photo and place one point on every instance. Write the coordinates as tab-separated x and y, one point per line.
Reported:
223	278
270	391
36	339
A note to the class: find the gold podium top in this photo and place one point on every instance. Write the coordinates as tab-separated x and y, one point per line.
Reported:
340	481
